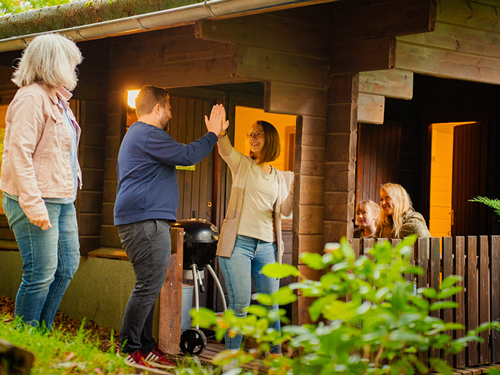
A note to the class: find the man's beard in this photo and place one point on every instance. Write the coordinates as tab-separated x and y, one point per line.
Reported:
165	123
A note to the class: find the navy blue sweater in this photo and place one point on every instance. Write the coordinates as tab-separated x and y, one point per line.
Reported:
147	178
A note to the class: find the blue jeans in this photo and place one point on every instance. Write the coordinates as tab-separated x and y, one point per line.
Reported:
244	266
148	248
50	259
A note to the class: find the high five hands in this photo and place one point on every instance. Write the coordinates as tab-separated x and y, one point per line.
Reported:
217	122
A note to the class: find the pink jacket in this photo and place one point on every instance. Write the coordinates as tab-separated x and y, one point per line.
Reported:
37	146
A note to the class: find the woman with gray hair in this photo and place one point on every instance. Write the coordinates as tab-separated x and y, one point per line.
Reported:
41	175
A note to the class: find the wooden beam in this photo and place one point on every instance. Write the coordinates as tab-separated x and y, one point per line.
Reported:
371	109
271	65
267	31
459	39
357	20
311	190
294	99
392	83
447	64
209	71
364	55
471	14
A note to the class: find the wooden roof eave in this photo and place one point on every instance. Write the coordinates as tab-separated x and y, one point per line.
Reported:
84	20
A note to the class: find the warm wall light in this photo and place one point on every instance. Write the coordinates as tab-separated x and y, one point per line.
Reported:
131	95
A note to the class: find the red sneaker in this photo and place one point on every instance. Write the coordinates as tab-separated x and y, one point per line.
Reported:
156	357
136	359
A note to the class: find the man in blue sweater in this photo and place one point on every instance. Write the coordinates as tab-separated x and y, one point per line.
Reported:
146	202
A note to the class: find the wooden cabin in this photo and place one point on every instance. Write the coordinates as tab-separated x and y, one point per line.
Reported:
379	90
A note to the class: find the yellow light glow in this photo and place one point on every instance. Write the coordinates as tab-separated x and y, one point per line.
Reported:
131	95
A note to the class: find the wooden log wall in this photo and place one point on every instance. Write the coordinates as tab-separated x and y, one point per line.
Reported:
89	105
291	60
168	58
475	259
464	45
92	95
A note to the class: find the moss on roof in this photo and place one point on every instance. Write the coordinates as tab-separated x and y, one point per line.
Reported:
81	13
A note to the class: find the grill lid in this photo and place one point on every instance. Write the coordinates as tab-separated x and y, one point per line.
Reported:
198	230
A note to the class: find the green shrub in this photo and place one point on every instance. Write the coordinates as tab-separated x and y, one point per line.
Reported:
492	203
368	318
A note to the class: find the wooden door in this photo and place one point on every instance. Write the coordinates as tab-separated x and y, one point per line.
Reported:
468	179
378	158
196	184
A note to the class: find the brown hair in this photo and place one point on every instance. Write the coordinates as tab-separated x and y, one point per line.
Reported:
272	147
402	203
148	97
374	208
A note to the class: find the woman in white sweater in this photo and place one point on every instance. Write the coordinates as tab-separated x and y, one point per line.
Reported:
251	235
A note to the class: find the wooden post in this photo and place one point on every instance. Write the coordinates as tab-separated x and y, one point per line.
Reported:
14	360
340	157
169	335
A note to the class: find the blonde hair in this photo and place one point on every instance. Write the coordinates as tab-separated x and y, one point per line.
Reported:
372	206
402	203
49	59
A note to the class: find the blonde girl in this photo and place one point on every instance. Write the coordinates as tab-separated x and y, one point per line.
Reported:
398	219
367	215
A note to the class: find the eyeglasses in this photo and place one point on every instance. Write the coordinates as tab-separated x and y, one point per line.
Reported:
255	135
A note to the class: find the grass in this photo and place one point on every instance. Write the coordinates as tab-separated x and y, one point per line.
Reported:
59	352
75	347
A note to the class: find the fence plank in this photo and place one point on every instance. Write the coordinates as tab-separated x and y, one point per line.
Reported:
472	296
495	296
423	261
355	247
434	279
368	244
484	298
460	297
447	271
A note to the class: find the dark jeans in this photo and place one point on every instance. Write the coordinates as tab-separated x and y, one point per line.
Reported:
147	244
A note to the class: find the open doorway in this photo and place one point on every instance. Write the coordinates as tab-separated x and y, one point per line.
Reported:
458	162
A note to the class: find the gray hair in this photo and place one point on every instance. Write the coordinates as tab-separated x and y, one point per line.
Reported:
50	59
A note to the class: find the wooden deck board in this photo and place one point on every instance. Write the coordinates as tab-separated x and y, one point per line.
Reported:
214	347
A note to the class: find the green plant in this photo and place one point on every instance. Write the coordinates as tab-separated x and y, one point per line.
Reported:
58	352
193	366
493	203
370	320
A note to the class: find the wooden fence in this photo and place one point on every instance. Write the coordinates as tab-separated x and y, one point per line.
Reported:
477	260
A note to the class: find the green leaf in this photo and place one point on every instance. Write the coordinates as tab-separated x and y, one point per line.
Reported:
347	250
264	299
450	281
453	326
257	310
284	296
448	292
313	260
443	305
407	337
204	317
419	301
427	292
279	271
